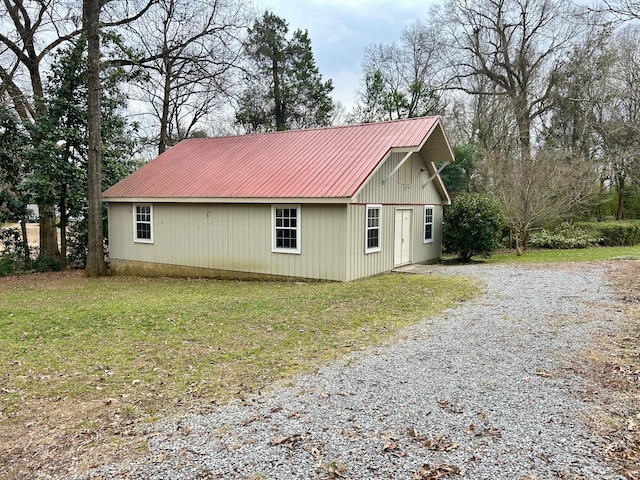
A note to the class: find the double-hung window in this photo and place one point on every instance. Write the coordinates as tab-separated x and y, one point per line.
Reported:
286	228
143	223
428	224
373	228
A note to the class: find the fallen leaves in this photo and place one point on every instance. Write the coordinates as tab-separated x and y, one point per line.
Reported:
543	373
439	443
390	447
473	429
290	440
613	365
435	472
333	470
450	407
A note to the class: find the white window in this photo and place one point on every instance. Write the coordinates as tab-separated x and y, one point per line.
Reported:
143	223
373	228
286	228
428	224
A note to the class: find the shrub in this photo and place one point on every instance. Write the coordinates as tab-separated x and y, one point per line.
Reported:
12	258
564	236
46	264
7	265
77	240
473	226
614	233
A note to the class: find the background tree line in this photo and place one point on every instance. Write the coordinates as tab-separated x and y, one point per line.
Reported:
541	99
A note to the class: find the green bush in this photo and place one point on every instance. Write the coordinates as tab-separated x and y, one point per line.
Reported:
473	226
7	265
564	236
78	238
613	233
11	254
46	264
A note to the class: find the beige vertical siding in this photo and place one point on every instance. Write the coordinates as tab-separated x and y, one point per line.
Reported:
393	195
233	237
391	191
366	264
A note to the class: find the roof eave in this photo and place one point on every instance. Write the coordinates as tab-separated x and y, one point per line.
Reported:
243	200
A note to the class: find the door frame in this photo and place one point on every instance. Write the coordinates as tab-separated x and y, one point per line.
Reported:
397	254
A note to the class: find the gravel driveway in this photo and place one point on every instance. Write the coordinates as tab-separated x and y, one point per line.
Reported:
482	392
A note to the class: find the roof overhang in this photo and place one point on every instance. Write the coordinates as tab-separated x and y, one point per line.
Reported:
444	155
192	200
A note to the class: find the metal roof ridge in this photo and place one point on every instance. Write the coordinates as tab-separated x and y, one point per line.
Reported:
317	129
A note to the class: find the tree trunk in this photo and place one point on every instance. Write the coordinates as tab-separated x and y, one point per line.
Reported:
620	209
166	99
25	241
63	228
95	252
277	97
48	233
523	119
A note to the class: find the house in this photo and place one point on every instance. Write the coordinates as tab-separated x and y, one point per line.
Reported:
337	203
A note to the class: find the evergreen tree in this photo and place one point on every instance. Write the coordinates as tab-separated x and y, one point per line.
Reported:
13	198
286	90
57	163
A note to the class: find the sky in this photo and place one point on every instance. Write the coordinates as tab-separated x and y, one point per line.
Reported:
340	30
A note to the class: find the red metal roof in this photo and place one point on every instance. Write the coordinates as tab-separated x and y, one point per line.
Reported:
317	163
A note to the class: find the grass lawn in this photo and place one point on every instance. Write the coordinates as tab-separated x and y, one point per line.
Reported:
553	256
86	363
101	354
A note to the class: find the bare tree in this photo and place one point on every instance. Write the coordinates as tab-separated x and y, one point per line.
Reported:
617	115
95	255
508	54
516	45
539	193
189	50
624	9
401	80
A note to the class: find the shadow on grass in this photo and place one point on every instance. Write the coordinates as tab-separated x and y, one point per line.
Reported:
452	260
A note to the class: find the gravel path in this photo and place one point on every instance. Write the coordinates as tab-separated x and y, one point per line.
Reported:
483	391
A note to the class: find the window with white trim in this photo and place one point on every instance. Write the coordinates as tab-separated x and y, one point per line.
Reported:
143	223
286	228
428	224
374	213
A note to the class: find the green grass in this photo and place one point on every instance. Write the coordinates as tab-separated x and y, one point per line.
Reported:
575	255
162	343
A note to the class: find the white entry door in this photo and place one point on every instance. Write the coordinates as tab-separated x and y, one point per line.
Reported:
402	243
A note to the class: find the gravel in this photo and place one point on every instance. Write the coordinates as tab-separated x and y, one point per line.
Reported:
485	391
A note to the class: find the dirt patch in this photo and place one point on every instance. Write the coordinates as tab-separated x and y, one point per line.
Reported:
40	279
62	437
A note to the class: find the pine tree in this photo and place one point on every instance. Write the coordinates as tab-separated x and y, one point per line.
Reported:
286	90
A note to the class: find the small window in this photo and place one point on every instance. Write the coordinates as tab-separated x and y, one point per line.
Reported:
286	228
428	224
373	228
404	174
143	223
